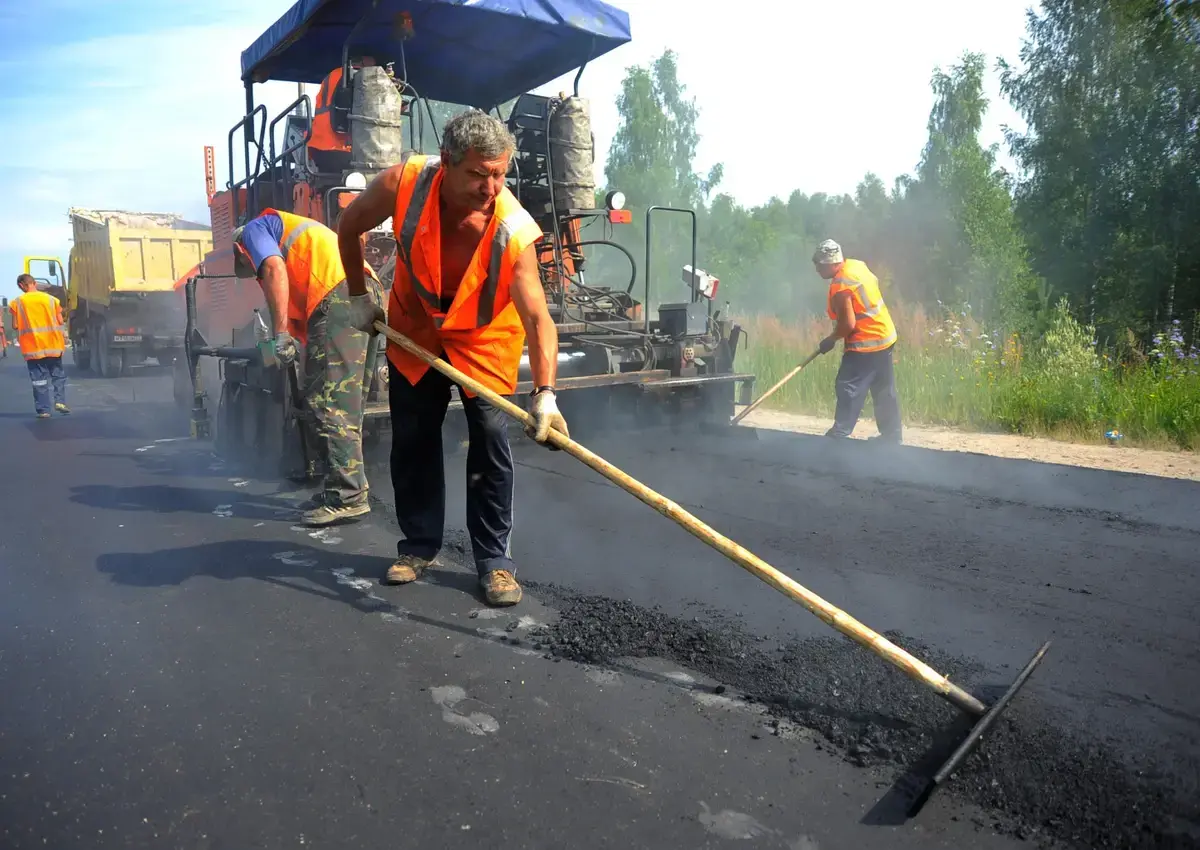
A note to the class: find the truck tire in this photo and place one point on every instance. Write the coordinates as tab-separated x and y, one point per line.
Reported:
110	361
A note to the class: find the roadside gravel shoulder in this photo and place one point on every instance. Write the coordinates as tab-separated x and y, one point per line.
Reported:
1165	464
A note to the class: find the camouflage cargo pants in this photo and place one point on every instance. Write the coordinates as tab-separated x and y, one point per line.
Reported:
337	359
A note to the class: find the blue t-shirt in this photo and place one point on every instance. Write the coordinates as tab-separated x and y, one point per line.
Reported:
261	238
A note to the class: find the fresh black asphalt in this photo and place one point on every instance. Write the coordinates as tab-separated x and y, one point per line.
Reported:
183	667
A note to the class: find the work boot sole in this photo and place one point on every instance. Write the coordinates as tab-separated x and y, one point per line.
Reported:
510	594
504	599
321	517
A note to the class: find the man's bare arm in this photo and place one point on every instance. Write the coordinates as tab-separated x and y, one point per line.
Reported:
844	308
368	210
273	279
530	300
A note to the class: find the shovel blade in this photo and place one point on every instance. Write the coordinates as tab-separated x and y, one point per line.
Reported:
976	735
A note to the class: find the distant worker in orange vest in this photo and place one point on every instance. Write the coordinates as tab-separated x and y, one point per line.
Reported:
41	332
297	264
863	322
474	309
329	147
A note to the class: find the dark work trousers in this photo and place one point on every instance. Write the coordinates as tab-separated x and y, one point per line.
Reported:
419	473
859	373
44	373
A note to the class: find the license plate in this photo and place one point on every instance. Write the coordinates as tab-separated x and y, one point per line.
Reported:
136	338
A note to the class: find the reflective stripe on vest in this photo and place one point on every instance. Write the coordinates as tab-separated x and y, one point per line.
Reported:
408	232
290	238
486	310
314	267
478	328
874	329
33	339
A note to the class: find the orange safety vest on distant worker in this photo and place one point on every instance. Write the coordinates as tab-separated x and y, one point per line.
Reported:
479	331
314	267
324	137
38	322
874	329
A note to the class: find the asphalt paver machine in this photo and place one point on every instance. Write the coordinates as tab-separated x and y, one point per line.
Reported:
624	363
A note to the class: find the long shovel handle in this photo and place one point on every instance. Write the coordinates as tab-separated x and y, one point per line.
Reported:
747	560
751	407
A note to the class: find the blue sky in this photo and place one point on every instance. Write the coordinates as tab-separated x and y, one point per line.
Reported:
117	99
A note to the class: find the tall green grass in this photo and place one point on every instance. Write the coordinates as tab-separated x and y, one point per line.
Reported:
951	371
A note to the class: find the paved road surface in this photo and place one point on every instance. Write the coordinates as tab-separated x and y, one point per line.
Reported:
183	668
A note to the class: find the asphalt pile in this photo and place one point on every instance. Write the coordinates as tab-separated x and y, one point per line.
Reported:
1035	779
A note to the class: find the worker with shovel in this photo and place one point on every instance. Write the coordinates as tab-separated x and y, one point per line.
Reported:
863	322
299	268
466	285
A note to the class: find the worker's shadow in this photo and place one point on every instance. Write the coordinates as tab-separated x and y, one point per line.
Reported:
335	575
167	499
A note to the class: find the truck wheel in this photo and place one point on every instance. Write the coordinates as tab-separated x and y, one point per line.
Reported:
110	360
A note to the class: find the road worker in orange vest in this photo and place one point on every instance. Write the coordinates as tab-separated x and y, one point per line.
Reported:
299	268
38	324
863	323
329	147
466	288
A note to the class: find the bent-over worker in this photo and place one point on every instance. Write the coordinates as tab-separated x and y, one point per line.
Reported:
41	333
299	268
467	288
863	322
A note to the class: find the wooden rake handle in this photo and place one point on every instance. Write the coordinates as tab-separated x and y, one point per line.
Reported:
750	408
744	558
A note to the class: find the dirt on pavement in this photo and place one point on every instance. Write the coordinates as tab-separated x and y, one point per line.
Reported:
1166	464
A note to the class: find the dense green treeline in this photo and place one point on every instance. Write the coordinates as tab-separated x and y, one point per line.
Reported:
1105	212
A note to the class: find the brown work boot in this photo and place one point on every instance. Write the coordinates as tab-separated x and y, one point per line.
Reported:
408	568
325	514
501	588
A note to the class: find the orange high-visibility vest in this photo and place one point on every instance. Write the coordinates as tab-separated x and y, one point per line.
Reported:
874	329
480	331
38	322
324	137
314	267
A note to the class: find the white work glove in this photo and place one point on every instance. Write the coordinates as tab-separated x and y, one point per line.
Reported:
546	416
364	313
285	348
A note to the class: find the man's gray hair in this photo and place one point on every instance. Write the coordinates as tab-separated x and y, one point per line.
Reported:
478	131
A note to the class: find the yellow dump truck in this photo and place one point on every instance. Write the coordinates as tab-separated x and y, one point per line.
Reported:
124	286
